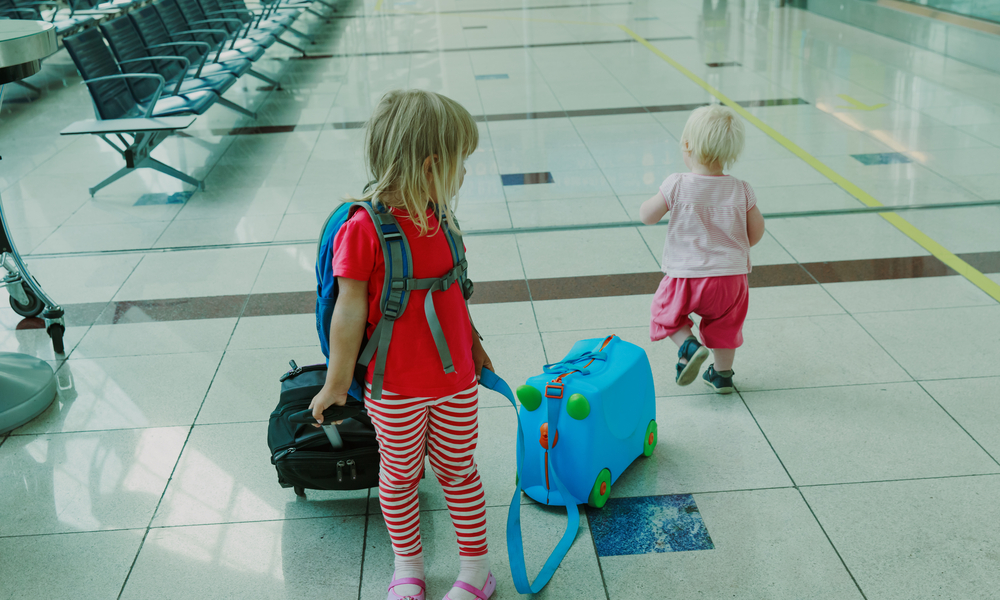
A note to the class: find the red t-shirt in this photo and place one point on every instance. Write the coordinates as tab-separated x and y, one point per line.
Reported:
413	366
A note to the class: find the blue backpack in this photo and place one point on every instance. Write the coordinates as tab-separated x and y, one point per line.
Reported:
399	281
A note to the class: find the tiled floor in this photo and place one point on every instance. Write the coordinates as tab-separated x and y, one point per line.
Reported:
859	458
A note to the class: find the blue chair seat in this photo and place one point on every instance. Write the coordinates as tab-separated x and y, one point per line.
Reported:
185	104
218	83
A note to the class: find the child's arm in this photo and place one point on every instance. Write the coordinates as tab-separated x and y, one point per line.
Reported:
479	356
347	329
653	210
755	225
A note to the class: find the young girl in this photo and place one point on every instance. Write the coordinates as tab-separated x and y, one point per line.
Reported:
417	143
714	220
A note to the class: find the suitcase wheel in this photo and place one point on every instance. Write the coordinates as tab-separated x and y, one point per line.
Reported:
601	491
649	442
300	491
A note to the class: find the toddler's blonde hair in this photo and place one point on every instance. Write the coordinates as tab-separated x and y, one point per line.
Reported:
713	134
406	128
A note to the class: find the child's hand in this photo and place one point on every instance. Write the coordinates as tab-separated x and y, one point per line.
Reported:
479	356
323	400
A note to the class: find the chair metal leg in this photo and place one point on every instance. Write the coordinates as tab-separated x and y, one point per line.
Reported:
292	46
28	86
304	36
152	163
233	106
108	181
263	77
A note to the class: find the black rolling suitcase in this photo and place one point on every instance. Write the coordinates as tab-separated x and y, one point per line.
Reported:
332	457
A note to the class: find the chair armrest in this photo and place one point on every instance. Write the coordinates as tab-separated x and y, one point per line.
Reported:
187	64
235	33
156	95
19	11
204	56
221	45
131	125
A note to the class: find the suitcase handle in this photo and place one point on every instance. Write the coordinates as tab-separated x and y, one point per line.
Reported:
332	414
515	542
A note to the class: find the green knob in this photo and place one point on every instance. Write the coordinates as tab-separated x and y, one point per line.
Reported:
530	397
578	407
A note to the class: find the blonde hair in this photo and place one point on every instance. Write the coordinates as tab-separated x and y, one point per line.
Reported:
713	134
406	128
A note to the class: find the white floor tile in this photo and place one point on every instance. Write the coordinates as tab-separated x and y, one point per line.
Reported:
767	546
865	433
899	539
93	481
249	560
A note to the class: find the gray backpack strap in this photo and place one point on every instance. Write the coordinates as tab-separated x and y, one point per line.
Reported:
398	282
398	263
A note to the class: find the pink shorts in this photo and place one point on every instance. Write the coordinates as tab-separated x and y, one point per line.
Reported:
721	302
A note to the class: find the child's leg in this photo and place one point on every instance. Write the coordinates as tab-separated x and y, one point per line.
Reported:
453	432
724	358
401	428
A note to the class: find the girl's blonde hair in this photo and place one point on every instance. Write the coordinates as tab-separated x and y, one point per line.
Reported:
714	134
406	128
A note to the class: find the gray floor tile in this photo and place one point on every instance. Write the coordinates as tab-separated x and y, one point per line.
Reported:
93	481
246	387
865	433
915	339
915	539
577	577
971	402
224	476
805	352
128	392
768	546
705	444
274	559
90	565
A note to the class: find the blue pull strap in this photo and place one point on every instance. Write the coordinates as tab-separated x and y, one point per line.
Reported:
515	543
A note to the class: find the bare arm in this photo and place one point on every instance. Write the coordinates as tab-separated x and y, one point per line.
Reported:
653	210
755	225
479	356
347	329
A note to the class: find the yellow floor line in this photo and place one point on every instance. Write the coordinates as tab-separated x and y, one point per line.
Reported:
937	250
378	5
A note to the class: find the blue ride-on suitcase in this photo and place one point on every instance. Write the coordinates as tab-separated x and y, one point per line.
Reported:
607	419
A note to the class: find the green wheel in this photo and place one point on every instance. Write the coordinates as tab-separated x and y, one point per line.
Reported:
649	442
601	491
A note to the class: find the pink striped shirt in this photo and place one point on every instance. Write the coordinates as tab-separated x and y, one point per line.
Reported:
707	234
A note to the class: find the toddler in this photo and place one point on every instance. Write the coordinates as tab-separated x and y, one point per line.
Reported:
714	220
417	143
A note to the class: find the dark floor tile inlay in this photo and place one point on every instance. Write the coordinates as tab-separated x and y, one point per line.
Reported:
907	267
553	114
594	286
716	65
519	290
646	525
171	309
508	47
526	178
881	158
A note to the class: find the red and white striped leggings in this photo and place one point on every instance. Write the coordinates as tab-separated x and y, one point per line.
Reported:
449	426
